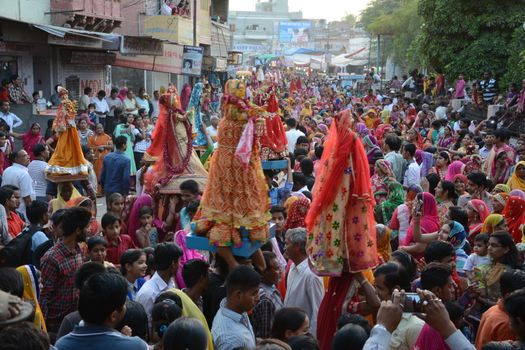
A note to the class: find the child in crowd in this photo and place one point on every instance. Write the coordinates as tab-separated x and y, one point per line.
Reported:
147	234
115	204
189	192
117	243
97	250
92	114
279	218
133	267
479	257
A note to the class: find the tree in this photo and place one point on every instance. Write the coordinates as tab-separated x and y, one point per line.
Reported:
469	36
350	19
401	27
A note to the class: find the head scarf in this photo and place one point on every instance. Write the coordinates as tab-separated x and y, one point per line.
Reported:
461	177
123	93
30	140
32	293
501	197
185	96
297	213
323	128
133	220
429	219
501	188
362	130
396	197
457	236
481	208
491	222
383	242
514	213
454	169
288	202
517	193
59	202
515	182
384	167
425	160
371	142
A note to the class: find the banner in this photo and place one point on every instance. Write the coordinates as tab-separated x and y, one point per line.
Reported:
295	33
192	60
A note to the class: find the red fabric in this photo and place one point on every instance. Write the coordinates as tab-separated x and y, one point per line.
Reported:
339	143
297	213
275	135
115	250
514	213
185	96
331	308
30	140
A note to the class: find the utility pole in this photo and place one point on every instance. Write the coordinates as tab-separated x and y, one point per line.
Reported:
379	60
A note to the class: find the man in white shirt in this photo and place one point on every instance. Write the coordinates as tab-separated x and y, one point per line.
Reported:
10	118
167	257
37	169
101	107
489	140
212	129
413	170
441	111
292	134
17	175
113	103
304	290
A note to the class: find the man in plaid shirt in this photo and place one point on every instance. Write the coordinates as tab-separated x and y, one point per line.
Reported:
270	299
17	95
58	266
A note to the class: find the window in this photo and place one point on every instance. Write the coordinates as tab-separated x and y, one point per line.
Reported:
8	67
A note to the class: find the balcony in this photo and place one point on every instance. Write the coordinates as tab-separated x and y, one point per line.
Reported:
93	15
177	29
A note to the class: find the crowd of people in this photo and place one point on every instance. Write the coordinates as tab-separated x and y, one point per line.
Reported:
431	259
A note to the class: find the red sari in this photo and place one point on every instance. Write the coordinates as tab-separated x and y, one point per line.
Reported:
341	222
514	213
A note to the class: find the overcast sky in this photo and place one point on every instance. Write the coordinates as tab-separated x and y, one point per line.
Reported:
331	10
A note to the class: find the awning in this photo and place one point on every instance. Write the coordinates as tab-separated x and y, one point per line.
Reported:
107	41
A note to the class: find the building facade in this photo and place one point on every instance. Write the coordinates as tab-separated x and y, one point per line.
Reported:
105	43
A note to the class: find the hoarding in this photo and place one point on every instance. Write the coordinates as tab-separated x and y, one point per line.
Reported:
295	33
192	60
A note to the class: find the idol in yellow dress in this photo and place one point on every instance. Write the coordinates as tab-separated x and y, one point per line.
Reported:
68	158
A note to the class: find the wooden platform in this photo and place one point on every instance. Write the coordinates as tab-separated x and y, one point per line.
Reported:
65	178
247	249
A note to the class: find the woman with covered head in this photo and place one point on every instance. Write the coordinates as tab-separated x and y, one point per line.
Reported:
428	221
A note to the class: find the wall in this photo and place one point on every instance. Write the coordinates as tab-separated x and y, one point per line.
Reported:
31	11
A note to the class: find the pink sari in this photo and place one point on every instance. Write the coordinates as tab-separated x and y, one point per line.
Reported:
430	339
133	222
429	219
454	169
188	254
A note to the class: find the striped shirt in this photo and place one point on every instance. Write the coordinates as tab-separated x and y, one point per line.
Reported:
231	330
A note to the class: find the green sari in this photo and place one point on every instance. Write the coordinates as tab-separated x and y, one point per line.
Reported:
121	130
385	210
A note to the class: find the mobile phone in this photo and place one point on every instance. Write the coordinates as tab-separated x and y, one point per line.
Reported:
412	303
419	205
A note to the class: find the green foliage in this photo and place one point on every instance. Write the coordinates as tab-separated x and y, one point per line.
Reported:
471	36
399	23
516	63
350	18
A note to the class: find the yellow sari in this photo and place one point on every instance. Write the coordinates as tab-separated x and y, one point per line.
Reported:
59	202
32	293
189	309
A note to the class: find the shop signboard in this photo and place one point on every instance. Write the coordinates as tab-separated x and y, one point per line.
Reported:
131	45
192	60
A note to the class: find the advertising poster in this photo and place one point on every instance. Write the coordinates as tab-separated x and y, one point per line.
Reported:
294	33
192	60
